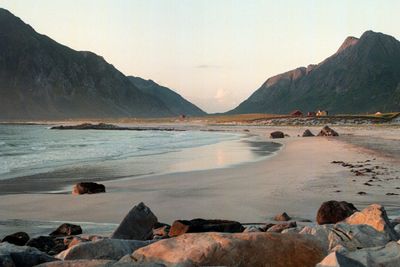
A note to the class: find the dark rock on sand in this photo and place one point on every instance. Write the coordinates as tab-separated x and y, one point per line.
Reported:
283	217
138	224
21	256
88	188
48	244
42	243
19	238
180	227
327	131
277	134
334	211
308	133
67	229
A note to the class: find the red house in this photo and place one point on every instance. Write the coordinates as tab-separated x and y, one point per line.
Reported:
296	113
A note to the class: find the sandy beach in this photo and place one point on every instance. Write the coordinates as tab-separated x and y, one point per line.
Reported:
297	180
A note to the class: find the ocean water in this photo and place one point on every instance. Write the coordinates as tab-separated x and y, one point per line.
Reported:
35	158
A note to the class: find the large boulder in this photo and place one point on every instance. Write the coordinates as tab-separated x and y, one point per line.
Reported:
241	249
88	188
67	229
277	134
383	256
21	256
180	227
42	243
19	238
308	133
138	224
105	249
375	216
327	131
333	211
348	236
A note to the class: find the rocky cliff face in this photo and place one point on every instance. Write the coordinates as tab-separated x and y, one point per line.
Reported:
175	102
362	76
42	79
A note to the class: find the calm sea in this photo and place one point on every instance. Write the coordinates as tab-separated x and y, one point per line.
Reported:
34	158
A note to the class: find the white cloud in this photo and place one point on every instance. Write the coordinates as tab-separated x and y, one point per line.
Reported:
222	95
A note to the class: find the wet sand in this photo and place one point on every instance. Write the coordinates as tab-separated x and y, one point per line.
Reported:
296	180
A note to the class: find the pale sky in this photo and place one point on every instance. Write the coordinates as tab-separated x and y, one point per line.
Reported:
215	53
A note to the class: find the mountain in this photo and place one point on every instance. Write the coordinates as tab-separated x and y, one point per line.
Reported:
42	79
362	76
176	103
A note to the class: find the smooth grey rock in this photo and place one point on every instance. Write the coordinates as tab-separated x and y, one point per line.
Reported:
104	249
294	230
375	216
383	256
252	229
12	255
397	229
137	225
351	237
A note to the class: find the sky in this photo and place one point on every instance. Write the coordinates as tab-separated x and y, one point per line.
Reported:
215	53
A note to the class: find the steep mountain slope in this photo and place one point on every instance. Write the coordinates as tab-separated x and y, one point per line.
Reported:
362	76
175	102
42	79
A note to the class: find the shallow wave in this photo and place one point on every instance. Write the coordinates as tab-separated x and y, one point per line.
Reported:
34	149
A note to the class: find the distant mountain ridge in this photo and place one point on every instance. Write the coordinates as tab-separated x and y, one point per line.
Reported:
362	76
42	79
176	103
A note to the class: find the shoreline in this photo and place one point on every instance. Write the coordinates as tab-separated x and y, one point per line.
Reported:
296	180
241	149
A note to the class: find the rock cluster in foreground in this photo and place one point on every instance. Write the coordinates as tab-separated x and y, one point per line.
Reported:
343	236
